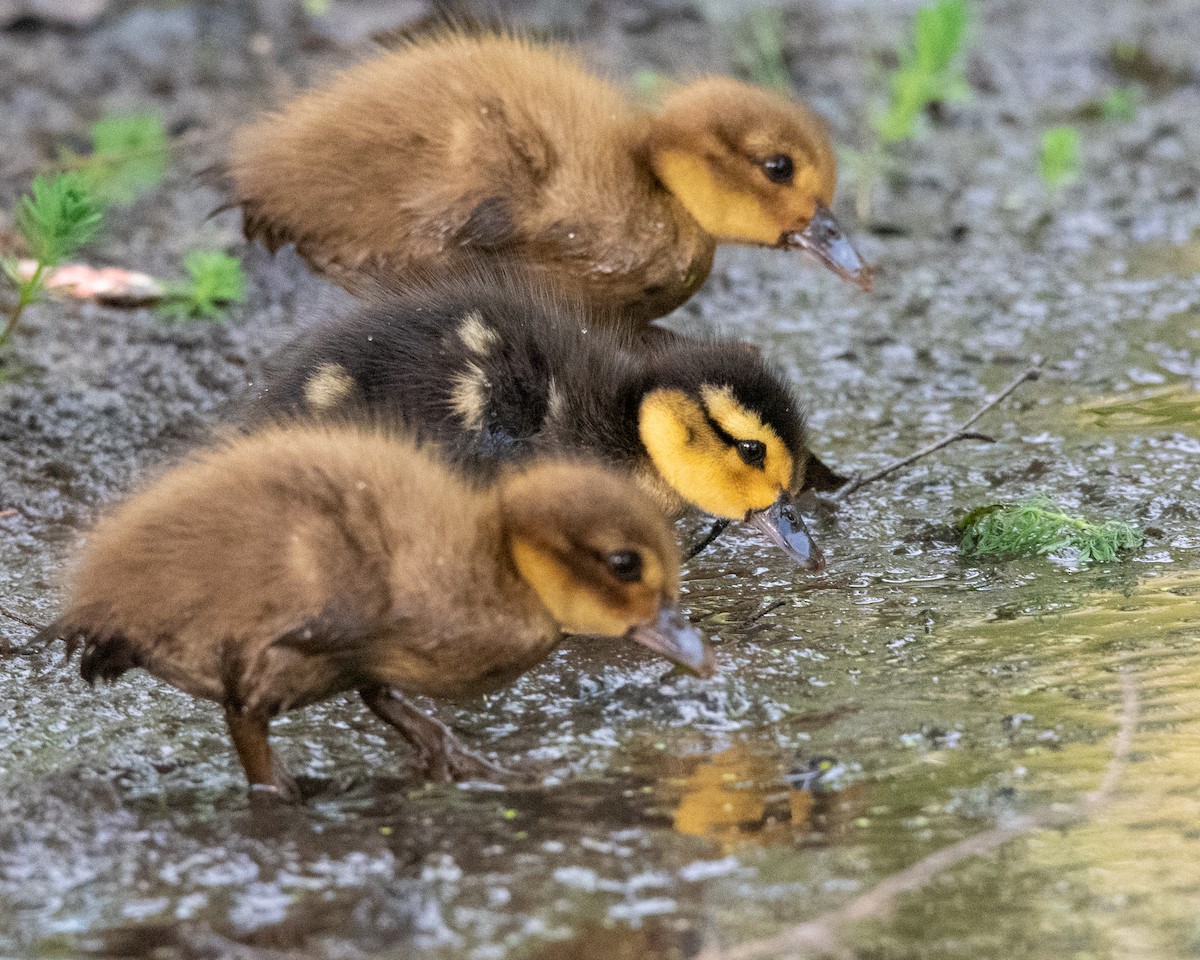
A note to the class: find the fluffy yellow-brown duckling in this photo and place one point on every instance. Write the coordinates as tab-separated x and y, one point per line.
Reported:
287	566
462	142
497	370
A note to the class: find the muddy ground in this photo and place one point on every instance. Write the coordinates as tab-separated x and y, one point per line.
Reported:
907	700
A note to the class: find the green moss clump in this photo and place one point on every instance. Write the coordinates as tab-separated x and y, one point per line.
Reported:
1037	527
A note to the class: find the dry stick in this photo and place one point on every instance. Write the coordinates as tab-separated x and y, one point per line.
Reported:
960	433
823	936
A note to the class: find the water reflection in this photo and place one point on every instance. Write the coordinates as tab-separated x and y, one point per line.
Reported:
742	795
1160	259
655	939
1176	407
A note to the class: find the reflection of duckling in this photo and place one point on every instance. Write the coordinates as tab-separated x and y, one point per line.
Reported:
495	369
464	142
736	796
302	561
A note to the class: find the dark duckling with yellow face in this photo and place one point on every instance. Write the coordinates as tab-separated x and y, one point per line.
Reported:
497	369
467	142
287	566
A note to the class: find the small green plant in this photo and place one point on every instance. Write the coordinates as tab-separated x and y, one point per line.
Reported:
650	86
215	281
57	216
1038	527
129	156
1059	159
1120	105
930	70
758	48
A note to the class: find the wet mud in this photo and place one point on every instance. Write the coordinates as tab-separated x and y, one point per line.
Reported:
906	699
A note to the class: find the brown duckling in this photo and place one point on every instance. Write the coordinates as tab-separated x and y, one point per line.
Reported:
496	369
463	142
293	564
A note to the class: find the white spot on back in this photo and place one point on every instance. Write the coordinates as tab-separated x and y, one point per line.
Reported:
328	386
476	335
468	396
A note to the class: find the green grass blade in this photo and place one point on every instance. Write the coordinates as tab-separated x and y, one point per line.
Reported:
1059	160
129	156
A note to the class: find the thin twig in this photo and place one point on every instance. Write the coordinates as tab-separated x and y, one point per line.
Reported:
5	612
763	611
707	540
824	935
962	432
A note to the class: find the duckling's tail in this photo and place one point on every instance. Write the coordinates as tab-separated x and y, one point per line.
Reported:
106	653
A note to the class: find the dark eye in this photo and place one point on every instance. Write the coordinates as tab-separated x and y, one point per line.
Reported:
626	566
779	169
752	452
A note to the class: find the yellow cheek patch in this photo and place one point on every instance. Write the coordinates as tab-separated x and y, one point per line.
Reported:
328	386
577	608
807	188
726	213
702	467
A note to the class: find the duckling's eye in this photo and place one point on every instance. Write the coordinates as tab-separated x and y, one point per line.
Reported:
625	565
752	452
779	169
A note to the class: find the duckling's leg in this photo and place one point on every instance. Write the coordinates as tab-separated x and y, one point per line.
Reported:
249	732
440	754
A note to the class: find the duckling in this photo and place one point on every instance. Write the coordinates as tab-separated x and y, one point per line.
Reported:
286	566
497	368
474	141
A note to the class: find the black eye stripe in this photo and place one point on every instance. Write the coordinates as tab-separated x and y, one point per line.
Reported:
756	460
725	436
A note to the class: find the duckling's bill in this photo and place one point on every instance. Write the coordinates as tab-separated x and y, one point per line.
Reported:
674	638
784	527
824	240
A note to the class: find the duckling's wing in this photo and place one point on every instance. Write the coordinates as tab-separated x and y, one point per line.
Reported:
490	225
518	161
336	633
320	656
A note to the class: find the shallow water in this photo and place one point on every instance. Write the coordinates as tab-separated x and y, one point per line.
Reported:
862	720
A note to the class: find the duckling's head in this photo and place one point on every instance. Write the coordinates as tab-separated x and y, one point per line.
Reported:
725	432
753	167
600	556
